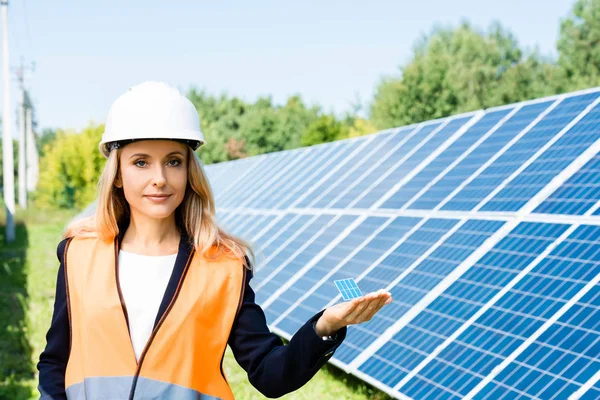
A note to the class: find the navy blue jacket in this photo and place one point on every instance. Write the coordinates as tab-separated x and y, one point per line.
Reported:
273	368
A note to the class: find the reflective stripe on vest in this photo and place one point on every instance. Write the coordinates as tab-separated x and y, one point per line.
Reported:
182	359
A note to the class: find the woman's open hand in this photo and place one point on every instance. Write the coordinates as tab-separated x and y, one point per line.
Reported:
352	312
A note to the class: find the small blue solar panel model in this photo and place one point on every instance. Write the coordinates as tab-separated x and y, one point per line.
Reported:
348	288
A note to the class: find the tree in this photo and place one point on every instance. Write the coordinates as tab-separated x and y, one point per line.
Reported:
70	169
47	137
579	45
235	129
324	129
458	70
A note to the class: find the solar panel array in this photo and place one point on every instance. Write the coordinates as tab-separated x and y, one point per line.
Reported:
484	226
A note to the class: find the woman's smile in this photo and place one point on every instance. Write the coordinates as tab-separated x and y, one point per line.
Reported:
158	198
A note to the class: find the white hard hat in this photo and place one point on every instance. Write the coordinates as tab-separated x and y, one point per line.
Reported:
151	110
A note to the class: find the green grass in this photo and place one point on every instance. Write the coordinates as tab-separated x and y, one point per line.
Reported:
28	270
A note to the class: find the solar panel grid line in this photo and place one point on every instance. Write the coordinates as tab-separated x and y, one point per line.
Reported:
464	155
524	272
324	167
539	152
272	163
273	180
531	338
260	233
283	245
576	167
562	177
358	165
388	333
255	222
314	260
278	228
447	143
586	386
242	223
321	157
325	278
586	219
232	183
232	223
400	146
383	256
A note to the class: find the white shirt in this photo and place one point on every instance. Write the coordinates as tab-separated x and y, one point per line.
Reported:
143	280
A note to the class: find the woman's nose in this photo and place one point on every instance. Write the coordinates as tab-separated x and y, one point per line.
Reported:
159	178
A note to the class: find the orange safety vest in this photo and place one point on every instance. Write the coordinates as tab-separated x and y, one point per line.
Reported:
184	354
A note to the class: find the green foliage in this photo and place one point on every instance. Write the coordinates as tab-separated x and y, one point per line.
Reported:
324	129
45	140
579	45
70	169
234	128
459	70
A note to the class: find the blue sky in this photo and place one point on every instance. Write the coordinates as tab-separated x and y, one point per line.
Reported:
331	52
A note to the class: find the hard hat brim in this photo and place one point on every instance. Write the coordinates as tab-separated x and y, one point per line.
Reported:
106	148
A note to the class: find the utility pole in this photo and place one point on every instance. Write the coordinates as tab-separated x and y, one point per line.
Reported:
7	145
22	166
33	158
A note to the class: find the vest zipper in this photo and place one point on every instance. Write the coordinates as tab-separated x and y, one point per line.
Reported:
121	298
241	300
158	325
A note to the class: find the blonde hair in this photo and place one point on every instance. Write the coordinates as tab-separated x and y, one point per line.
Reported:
195	214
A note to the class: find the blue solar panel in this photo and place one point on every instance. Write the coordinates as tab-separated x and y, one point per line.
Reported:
475	160
260	175
488	304
329	189
287	244
322	293
388	160
321	170
311	160
411	188
291	294
258	224
511	320
348	289
578	194
368	198
488	180
549	164
418	339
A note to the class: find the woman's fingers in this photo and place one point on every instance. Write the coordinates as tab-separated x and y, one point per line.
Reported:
357	309
372	303
372	307
383	299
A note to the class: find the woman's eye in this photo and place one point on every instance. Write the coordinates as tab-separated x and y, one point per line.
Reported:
137	163
176	161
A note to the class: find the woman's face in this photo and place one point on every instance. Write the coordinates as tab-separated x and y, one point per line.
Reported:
153	175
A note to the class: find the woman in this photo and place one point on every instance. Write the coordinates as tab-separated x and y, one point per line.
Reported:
150	290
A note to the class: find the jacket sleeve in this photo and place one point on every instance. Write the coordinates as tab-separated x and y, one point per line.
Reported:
53	360
273	368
